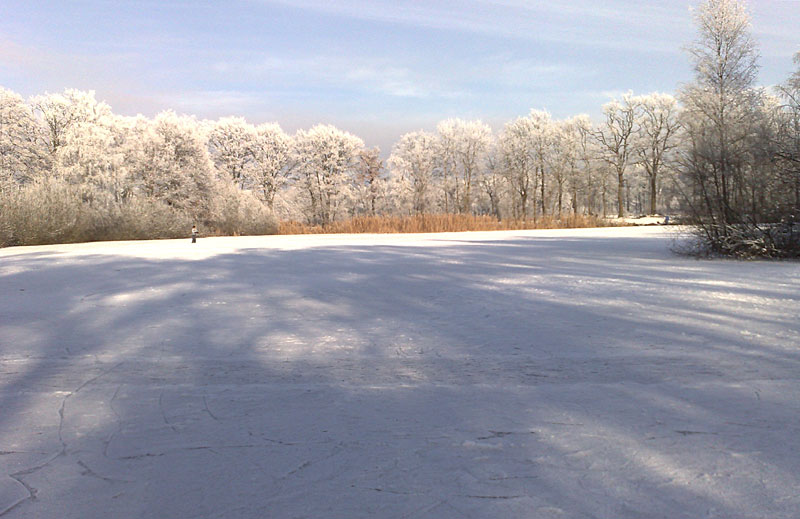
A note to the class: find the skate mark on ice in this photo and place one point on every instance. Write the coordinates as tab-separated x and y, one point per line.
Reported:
18	476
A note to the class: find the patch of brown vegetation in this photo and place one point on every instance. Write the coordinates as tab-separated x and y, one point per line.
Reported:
439	223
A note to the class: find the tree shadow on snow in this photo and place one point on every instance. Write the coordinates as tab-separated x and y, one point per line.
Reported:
533	377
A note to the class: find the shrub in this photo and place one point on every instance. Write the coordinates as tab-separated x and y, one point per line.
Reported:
746	241
47	210
236	212
52	210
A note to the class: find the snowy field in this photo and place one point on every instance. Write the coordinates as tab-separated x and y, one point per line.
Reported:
525	374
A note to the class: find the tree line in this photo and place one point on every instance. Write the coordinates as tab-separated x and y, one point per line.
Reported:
720	152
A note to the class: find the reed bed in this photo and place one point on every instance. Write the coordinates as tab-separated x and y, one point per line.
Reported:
428	223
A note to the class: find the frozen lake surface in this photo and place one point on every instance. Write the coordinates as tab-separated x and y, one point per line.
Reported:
525	374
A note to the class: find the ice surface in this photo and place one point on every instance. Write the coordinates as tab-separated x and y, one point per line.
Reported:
535	374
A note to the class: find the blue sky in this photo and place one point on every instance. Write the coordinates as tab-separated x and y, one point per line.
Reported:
377	68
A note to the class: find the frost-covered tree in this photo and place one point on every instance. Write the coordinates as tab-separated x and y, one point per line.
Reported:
492	181
718	106
92	153
563	160
413	162
445	174
580	157
326	161
730	163
23	153
231	143
762	193
369	184
463	148
656	134
518	162
58	112
788	142
273	161
615	138
171	163
543	142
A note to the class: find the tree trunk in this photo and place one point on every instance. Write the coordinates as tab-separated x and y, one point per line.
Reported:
604	194
544	209
560	196
574	201
653	193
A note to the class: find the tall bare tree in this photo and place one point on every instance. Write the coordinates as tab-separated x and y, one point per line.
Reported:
464	145
369	179
657	130
615	137
718	107
518	163
789	136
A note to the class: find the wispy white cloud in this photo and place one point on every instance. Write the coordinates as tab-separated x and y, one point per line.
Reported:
365	62
654	13
377	75
394	81
212	103
514	72
652	26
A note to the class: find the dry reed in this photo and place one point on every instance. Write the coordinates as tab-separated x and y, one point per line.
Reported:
427	223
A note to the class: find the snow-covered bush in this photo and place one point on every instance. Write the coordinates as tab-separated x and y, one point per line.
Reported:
236	212
745	241
46	210
51	210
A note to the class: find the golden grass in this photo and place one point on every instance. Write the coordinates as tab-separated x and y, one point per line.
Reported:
439	223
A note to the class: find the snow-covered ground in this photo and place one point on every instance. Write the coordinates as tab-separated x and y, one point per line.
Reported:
530	374
643	220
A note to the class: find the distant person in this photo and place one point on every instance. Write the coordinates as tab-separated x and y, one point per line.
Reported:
194	234
666	220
